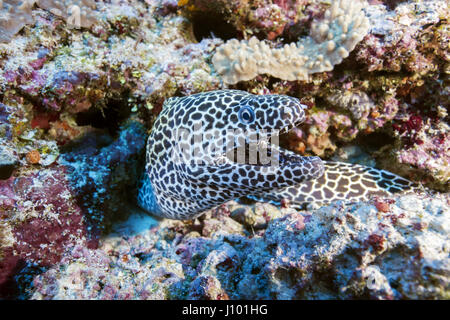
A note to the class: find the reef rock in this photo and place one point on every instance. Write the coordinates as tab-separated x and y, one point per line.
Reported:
391	248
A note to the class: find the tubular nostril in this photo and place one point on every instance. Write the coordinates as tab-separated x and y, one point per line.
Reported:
293	111
287	115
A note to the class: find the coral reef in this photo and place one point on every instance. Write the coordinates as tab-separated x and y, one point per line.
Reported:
358	103
229	19
76	105
330	41
102	172
400	88
393	248
423	147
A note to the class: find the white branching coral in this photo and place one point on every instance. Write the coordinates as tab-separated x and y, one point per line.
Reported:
330	41
15	14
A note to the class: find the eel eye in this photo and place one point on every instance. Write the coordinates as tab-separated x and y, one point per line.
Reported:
246	115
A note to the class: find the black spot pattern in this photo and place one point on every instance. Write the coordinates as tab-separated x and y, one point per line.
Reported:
183	178
344	181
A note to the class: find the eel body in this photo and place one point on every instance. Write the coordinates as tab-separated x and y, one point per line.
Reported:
212	147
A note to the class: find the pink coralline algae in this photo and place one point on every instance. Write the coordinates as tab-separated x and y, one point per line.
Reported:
100	173
48	211
8	197
43	220
427	146
206	288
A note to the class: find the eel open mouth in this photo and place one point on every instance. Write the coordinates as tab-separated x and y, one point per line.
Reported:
265	152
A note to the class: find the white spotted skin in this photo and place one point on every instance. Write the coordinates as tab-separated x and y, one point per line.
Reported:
186	189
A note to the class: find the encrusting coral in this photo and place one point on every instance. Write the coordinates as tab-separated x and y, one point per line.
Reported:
330	41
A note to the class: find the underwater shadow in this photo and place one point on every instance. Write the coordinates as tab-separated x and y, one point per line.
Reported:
103	174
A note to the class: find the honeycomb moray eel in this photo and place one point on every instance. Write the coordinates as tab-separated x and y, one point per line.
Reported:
198	157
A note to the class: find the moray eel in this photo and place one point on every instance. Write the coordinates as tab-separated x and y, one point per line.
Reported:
212	147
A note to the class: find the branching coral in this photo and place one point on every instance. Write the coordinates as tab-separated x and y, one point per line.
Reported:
329	42
15	14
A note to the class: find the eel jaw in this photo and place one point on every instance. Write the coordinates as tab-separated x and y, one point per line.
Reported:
264	154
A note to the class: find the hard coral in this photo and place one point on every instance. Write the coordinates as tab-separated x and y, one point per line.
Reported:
330	41
58	85
425	146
